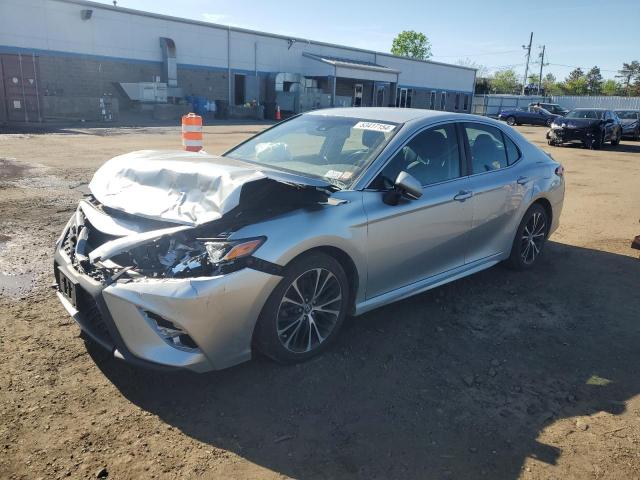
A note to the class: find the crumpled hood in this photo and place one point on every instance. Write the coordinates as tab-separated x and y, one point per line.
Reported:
176	186
577	122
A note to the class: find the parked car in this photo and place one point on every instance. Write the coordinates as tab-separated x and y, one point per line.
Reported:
191	260
533	115
590	126
552	108
630	120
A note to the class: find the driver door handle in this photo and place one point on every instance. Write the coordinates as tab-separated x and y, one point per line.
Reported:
463	195
522	180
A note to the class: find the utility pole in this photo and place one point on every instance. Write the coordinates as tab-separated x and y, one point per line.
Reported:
541	65
526	68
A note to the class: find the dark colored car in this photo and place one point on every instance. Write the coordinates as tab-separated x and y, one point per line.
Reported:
630	120
590	126
534	115
553	108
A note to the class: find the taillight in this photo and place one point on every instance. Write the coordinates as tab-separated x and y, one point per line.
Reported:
560	171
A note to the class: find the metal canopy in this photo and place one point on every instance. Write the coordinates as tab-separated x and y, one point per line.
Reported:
348	68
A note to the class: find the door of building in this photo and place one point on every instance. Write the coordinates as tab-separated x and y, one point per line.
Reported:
402	99
20	88
379	97
357	95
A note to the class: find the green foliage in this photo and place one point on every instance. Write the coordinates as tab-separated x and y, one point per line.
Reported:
594	81
551	85
630	75
412	44
611	87
575	83
505	81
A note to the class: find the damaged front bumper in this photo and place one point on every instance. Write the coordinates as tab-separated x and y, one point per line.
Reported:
559	135
199	324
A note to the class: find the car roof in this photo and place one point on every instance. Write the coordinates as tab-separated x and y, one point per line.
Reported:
627	110
385	114
596	109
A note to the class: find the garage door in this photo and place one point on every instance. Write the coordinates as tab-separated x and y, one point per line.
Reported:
20	81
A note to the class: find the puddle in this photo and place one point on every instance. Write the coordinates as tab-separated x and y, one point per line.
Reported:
15	285
3	239
9	168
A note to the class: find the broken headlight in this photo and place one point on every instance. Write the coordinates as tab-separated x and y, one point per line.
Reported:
214	257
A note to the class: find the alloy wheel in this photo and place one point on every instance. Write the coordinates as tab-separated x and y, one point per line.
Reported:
309	310
533	236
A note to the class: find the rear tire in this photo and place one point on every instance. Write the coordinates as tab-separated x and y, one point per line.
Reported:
530	238
301	318
511	121
549	122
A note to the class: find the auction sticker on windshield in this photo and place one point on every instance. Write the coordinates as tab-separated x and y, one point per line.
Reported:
378	127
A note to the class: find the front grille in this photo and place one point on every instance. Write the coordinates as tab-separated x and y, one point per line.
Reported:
91	318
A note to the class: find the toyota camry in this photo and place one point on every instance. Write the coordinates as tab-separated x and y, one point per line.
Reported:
189	260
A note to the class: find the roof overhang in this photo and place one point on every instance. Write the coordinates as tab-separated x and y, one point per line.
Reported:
346	68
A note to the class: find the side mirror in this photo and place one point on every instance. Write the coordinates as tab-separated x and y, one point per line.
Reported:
408	185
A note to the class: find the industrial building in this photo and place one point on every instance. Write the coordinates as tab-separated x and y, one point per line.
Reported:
74	59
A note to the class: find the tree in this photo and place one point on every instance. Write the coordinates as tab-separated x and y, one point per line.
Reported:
594	81
481	70
504	81
550	85
533	79
410	43
611	87
575	83
629	73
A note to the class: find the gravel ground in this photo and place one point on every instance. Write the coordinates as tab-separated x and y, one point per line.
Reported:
501	375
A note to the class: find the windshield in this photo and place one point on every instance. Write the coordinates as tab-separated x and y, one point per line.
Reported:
627	114
551	107
335	149
592	114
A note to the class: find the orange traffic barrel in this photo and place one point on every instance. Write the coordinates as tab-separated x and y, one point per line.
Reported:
192	132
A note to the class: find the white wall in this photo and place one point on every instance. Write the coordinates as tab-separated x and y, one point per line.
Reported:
56	25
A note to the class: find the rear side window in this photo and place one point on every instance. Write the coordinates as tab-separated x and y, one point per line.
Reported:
513	153
486	144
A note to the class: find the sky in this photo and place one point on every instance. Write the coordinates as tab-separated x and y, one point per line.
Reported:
491	33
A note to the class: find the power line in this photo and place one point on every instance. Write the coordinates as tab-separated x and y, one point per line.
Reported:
476	54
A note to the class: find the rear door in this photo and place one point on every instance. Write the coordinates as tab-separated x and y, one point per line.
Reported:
416	239
499	185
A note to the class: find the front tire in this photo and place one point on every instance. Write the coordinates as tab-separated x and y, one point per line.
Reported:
305	311
549	122
530	239
616	141
511	121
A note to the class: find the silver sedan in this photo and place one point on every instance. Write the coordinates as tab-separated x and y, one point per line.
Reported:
190	260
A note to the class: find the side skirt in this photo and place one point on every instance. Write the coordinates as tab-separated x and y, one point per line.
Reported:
427	283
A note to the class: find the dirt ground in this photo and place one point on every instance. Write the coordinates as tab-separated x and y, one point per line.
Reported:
501	375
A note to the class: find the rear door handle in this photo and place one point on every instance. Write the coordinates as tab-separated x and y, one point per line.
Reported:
522	180
463	195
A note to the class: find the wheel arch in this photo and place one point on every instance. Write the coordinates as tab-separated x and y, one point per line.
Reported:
347	263
546	204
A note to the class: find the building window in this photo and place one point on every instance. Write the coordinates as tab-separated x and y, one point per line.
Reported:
466	102
238	89
403	97
432	101
443	100
457	103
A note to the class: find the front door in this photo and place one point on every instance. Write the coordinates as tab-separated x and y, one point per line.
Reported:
401	100
357	95
417	239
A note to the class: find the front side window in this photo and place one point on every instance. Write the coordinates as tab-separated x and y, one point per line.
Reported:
432	156
334	149
487	148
